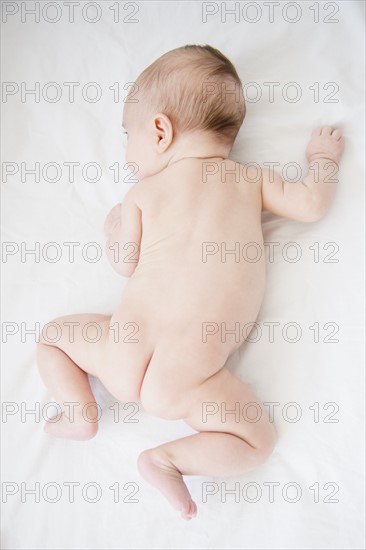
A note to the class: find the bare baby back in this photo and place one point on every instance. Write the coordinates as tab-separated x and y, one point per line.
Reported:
201	266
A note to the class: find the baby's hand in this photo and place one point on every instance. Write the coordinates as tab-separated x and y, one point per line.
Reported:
112	219
325	143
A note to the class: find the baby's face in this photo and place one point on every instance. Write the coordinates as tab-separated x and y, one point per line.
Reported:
141	142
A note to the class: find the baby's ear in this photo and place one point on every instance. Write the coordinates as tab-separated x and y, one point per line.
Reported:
163	131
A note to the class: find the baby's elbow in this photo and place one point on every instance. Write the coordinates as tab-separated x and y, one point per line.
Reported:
121	265
125	269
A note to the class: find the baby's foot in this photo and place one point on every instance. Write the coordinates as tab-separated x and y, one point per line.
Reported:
156	468
78	428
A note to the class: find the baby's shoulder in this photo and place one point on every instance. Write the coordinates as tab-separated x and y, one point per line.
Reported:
142	192
243	177
249	172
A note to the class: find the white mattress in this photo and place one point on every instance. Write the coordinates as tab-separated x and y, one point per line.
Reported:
317	468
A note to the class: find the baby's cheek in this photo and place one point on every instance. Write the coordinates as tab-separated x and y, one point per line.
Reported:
132	155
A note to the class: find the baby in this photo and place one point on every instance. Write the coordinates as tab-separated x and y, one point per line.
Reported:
179	236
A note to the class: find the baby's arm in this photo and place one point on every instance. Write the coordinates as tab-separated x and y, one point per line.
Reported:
123	229
309	199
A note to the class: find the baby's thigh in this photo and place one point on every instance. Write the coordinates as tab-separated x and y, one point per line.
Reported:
116	349
81	336
224	403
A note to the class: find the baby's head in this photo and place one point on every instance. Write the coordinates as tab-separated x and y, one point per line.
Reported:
189	102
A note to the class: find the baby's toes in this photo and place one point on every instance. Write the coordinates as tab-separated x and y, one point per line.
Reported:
193	509
326	131
336	134
316	132
189	510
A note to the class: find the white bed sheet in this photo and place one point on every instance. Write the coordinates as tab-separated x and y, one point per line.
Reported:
306	292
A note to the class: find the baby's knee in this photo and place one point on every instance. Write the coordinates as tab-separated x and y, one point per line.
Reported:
44	338
266	442
51	332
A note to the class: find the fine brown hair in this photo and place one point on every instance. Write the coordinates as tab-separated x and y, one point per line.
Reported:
198	88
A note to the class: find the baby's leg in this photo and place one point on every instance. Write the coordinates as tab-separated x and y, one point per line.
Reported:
228	444
64	364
